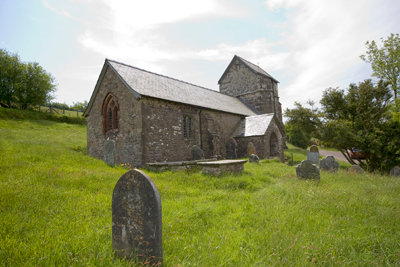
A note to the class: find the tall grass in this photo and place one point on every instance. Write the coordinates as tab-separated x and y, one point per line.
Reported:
55	209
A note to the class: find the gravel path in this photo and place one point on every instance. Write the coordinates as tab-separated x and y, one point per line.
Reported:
337	155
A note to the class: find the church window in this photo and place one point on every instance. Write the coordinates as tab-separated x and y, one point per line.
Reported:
110	114
188	127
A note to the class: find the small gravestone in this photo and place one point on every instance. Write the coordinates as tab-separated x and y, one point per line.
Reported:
231	148
197	153
254	158
307	170
395	171
109	152
356	169
136	218
251	149
313	155
329	164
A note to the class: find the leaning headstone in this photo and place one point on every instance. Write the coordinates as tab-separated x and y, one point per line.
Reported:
136	218
109	152
395	171
329	164
251	149
231	148
356	168
254	158
197	153
307	170
313	155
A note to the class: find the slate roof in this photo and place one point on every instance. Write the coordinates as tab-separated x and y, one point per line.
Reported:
253	67
142	82
254	125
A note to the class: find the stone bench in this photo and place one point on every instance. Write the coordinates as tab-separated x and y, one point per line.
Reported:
176	165
220	166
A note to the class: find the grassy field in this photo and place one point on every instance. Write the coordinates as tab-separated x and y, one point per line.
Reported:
55	209
59	111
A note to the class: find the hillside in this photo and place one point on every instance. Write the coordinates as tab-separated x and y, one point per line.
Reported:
55	209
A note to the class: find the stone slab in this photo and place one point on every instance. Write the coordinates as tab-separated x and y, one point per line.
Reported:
109	153
329	164
313	157
221	166
136	218
307	170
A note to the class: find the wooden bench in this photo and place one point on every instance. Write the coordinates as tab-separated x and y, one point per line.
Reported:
220	166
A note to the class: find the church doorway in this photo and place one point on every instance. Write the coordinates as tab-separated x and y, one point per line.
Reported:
273	146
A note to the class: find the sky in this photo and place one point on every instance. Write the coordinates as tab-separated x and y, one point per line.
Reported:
307	45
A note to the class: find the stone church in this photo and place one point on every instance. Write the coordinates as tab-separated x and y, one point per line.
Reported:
155	118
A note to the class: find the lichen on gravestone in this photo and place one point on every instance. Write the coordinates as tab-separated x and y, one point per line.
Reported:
137	218
109	153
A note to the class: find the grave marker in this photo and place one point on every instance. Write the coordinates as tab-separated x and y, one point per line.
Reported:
313	155
307	170
109	152
197	153
231	149
329	164
254	158
395	171
136	218
251	149
356	168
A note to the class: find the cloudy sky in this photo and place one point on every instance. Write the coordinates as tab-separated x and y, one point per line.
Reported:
307	45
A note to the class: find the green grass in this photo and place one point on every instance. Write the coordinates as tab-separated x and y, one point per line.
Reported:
55	209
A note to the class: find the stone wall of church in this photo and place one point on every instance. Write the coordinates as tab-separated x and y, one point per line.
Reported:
128	139
163	130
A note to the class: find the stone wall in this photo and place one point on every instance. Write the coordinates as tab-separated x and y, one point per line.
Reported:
163	138
128	141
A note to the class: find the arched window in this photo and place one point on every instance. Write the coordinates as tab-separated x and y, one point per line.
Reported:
110	113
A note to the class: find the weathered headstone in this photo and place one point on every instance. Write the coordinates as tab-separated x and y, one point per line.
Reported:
136	218
109	152
231	148
307	170
395	171
197	153
254	158
356	168
251	149
313	155
329	164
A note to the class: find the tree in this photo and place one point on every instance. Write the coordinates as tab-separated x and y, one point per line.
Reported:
361	118
385	60
80	105
11	77
302	123
23	83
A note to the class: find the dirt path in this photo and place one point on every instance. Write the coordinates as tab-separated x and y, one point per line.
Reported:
337	155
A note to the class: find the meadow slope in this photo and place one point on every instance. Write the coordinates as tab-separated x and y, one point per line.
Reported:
55	209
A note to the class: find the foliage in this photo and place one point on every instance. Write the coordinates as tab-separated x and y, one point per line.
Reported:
360	118
385	60
24	83
55	209
59	105
301	125
80	105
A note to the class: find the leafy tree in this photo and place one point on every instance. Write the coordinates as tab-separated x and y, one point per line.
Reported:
360	118
11	77
385	60
23	83
80	105
302	123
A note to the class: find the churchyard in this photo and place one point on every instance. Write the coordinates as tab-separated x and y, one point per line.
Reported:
55	208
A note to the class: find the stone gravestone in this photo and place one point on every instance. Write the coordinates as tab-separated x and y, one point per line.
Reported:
329	164
251	149
109	152
313	155
356	168
307	170
254	158
197	153
395	171
136	218
231	148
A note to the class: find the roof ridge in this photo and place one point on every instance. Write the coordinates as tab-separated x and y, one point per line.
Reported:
253	66
166	76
